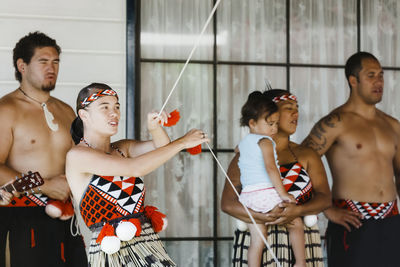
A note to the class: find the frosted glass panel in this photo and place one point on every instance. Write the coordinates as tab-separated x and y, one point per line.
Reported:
322	32
391	94
191	253
225	221
182	189
199	253
169	29
225	253
234	83
318	90
192	97
380	25
252	30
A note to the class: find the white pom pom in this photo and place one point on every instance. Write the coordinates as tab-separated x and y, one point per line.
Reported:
165	224
110	244
53	211
242	226
126	231
310	220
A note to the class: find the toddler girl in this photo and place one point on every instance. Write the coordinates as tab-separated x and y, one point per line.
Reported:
260	176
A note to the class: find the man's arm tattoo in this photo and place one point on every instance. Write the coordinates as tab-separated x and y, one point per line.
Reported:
331	120
310	142
316	139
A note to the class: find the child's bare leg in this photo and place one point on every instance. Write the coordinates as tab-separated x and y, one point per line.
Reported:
296	238
254	254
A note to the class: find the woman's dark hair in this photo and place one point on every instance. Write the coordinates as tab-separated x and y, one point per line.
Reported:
256	105
270	94
77	125
25	48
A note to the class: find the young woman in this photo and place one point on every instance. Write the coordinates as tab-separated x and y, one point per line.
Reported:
104	180
302	168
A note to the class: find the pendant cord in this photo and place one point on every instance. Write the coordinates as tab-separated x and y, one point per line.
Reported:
40	103
47	114
291	151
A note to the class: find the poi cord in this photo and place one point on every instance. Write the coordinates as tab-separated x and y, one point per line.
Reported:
209	148
196	44
246	209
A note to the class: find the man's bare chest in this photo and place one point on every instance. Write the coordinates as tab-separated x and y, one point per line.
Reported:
32	131
368	137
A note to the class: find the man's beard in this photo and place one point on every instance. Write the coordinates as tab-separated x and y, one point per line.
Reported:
49	87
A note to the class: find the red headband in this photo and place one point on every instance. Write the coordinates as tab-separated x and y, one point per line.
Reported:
284	97
94	96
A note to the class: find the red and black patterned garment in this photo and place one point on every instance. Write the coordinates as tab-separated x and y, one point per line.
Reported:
34	200
369	210
298	183
377	236
114	198
42	240
108	198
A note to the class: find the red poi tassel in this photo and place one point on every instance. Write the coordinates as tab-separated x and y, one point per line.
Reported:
60	209
68	209
194	150
175	116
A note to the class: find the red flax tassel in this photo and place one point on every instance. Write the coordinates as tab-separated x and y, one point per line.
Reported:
33	243
155	217
194	150
107	230
175	116
62	252
136	222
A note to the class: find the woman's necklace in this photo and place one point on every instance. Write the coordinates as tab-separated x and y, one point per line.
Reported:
47	114
291	151
86	143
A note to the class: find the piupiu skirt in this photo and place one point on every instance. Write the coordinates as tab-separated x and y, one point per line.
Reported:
142	251
278	240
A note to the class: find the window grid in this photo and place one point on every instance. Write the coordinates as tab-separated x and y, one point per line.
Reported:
133	91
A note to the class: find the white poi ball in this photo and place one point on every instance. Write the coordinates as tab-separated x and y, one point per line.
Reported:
242	226
165	224
126	231
53	211
110	244
310	220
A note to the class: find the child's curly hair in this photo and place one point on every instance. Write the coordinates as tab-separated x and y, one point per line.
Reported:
256	105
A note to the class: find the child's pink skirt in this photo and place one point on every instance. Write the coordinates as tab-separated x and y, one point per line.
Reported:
260	197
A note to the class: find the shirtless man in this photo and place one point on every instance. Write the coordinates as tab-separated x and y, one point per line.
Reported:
361	144
34	136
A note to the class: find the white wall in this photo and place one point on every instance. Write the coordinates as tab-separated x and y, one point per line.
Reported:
91	34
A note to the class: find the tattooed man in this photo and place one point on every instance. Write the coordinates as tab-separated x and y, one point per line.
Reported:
361	144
